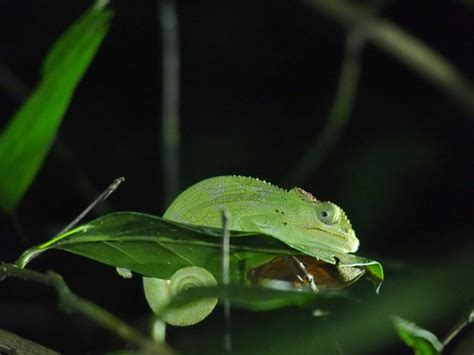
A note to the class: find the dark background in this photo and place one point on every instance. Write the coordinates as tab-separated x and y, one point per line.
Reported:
258	80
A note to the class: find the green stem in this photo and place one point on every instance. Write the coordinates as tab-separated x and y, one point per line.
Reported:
339	114
74	303
170	135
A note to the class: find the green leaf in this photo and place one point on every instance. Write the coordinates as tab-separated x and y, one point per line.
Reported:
420	340
27	138
155	247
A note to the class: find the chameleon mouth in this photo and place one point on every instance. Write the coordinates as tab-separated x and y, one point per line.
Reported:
327	232
349	240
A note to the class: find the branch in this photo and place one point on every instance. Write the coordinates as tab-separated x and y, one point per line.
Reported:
13	344
458	329
402	45
70	301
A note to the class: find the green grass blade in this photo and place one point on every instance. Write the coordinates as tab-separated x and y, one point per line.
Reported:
27	138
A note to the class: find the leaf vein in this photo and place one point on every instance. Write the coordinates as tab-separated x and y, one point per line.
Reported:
123	252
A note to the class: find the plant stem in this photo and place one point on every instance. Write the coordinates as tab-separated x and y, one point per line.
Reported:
170	136
339	114
226	281
453	334
70	301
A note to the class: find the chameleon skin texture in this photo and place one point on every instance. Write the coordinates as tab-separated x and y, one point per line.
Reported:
293	216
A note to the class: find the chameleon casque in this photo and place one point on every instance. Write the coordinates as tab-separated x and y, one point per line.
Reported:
293	216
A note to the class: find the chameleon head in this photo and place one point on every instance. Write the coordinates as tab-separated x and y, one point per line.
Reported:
333	227
326	224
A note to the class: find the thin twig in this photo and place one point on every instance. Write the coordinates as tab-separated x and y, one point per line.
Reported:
226	281
170	136
102	197
339	114
458	329
71	302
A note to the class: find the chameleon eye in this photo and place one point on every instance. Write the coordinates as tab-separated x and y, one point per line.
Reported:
329	213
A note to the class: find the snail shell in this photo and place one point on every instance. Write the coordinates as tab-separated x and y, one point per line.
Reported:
159	292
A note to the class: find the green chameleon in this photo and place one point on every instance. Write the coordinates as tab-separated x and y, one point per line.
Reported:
293	216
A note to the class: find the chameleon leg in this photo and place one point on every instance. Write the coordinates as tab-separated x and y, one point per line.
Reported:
306	274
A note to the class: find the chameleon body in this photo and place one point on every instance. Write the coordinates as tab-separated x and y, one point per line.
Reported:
293	216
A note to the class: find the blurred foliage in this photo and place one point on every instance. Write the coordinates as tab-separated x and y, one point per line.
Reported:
26	140
420	340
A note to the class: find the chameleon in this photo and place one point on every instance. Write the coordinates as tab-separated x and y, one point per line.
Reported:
293	216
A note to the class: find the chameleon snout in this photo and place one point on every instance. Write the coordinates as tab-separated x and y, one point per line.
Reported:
352	239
